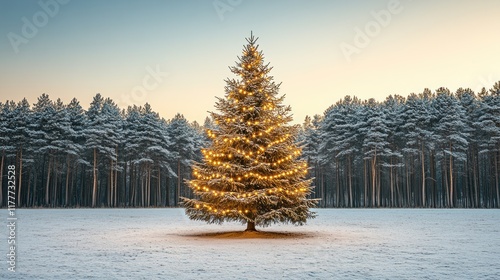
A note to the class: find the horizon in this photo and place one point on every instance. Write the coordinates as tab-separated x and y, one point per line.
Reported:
169	54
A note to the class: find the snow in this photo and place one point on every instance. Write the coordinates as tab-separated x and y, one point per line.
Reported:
338	244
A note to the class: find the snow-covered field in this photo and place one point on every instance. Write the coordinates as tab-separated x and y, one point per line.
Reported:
338	244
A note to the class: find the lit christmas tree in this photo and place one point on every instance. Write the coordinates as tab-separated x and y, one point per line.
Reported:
251	171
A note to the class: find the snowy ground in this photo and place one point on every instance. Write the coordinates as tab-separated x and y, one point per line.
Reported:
339	244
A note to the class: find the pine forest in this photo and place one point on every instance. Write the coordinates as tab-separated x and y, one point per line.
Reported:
438	149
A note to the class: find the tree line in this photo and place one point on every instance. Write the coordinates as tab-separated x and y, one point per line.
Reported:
432	149
66	156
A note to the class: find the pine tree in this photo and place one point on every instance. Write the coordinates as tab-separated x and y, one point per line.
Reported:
22	139
111	137
417	129
376	148
312	138
93	141
251	172
185	142
75	148
154	153
470	104
131	151
452	135
489	123
6	146
393	109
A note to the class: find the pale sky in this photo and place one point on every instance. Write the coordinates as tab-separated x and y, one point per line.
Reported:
175	54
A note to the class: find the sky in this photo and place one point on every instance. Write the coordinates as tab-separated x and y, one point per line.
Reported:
175	54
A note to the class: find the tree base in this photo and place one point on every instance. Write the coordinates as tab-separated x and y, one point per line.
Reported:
250	226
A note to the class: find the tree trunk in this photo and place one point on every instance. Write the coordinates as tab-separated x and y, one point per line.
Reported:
475	176
19	186
109	185
47	184
445	179
67	180
167	190
115	184
158	196
337	181
82	200
477	181
422	159
398	190
124	196
143	189
467	183
54	201
392	185
132	185
379	186
496	180
72	187
28	201
407	189
349	176
432	167
35	197
1	179
178	183
94	184
374	174
451	178
251	226
110	192
115	179
365	171
148	186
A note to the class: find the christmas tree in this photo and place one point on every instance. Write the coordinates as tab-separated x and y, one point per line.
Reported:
251	172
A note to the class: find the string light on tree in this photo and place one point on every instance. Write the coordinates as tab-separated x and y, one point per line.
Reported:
251	172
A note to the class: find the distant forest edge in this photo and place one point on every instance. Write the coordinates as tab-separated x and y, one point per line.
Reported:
432	149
